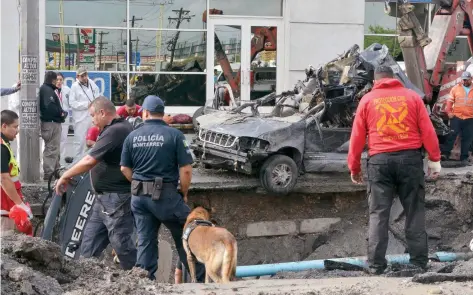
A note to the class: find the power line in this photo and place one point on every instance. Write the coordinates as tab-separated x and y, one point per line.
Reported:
183	15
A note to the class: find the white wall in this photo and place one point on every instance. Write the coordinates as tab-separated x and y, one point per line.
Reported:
317	31
9	44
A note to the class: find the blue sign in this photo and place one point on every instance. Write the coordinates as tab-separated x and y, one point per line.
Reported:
135	56
103	81
138	58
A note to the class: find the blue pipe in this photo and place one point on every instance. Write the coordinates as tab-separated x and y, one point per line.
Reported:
272	269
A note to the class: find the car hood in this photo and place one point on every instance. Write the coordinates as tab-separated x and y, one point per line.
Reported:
244	125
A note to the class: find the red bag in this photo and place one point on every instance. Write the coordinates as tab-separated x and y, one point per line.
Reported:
21	219
182	119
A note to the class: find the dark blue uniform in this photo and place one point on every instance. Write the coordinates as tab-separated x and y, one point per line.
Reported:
157	150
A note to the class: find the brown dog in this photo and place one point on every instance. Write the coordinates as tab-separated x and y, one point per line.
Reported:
215	247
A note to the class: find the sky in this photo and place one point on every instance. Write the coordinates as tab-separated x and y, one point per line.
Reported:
112	13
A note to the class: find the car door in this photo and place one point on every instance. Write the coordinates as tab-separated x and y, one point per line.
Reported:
325	149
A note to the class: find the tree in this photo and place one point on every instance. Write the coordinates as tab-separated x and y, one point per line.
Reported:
390	41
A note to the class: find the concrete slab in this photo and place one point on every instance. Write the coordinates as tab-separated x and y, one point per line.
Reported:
271	228
165	266
317	225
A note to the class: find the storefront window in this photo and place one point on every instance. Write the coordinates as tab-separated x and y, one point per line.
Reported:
175	14
166	42
175	90
109	13
248	7
96	49
168	51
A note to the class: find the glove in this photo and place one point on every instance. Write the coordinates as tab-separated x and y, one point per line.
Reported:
434	167
27	209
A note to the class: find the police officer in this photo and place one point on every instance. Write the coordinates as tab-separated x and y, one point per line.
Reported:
397	125
154	158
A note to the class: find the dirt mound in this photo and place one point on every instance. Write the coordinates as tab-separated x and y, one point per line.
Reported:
446	231
35	266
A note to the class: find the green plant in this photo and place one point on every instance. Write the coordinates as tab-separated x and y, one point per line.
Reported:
390	41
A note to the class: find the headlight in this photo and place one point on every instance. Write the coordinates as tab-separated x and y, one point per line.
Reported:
246	143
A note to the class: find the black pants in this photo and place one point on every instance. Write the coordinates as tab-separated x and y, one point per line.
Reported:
115	228
169	210
389	174
465	127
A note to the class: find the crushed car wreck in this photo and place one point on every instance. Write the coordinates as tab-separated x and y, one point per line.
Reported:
308	130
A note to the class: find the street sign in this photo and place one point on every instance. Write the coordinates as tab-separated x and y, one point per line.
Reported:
103	81
29	114
29	70
138	58
135	56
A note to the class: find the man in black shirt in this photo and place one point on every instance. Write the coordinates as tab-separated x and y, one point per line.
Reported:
111	220
51	115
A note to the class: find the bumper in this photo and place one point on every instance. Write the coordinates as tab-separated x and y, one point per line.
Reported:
226	158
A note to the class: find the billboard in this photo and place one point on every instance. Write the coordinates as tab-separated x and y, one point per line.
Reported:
87	40
103	81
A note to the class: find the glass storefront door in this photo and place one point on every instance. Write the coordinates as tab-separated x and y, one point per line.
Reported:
244	58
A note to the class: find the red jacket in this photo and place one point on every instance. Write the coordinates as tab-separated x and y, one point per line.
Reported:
121	111
394	118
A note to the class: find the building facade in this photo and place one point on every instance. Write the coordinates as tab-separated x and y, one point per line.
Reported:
173	48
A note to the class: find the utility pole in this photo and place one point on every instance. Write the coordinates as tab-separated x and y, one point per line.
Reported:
29	107
159	34
136	50
130	46
101	33
69	53
182	16
78	47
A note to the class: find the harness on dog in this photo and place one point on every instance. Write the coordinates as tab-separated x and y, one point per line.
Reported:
190	228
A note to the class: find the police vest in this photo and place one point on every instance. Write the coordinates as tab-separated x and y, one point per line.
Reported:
14	171
6	203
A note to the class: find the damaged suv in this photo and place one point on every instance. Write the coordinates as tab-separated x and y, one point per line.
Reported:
308	130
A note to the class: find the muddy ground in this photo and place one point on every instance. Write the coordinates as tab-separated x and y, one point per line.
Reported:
31	266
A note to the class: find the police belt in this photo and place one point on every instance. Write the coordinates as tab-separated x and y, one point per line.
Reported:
152	188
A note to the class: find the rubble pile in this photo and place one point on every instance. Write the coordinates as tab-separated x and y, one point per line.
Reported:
35	266
341	83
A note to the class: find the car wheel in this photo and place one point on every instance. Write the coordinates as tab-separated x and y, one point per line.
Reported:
279	174
199	112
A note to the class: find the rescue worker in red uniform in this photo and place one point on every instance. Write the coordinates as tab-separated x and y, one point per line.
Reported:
397	125
11	187
130	109
92	135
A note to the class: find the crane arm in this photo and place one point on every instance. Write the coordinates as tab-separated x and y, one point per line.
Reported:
424	56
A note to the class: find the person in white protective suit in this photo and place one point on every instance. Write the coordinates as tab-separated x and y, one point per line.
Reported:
83	92
63	92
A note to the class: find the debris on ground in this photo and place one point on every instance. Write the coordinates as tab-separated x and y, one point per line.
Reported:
35	266
446	231
458	272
